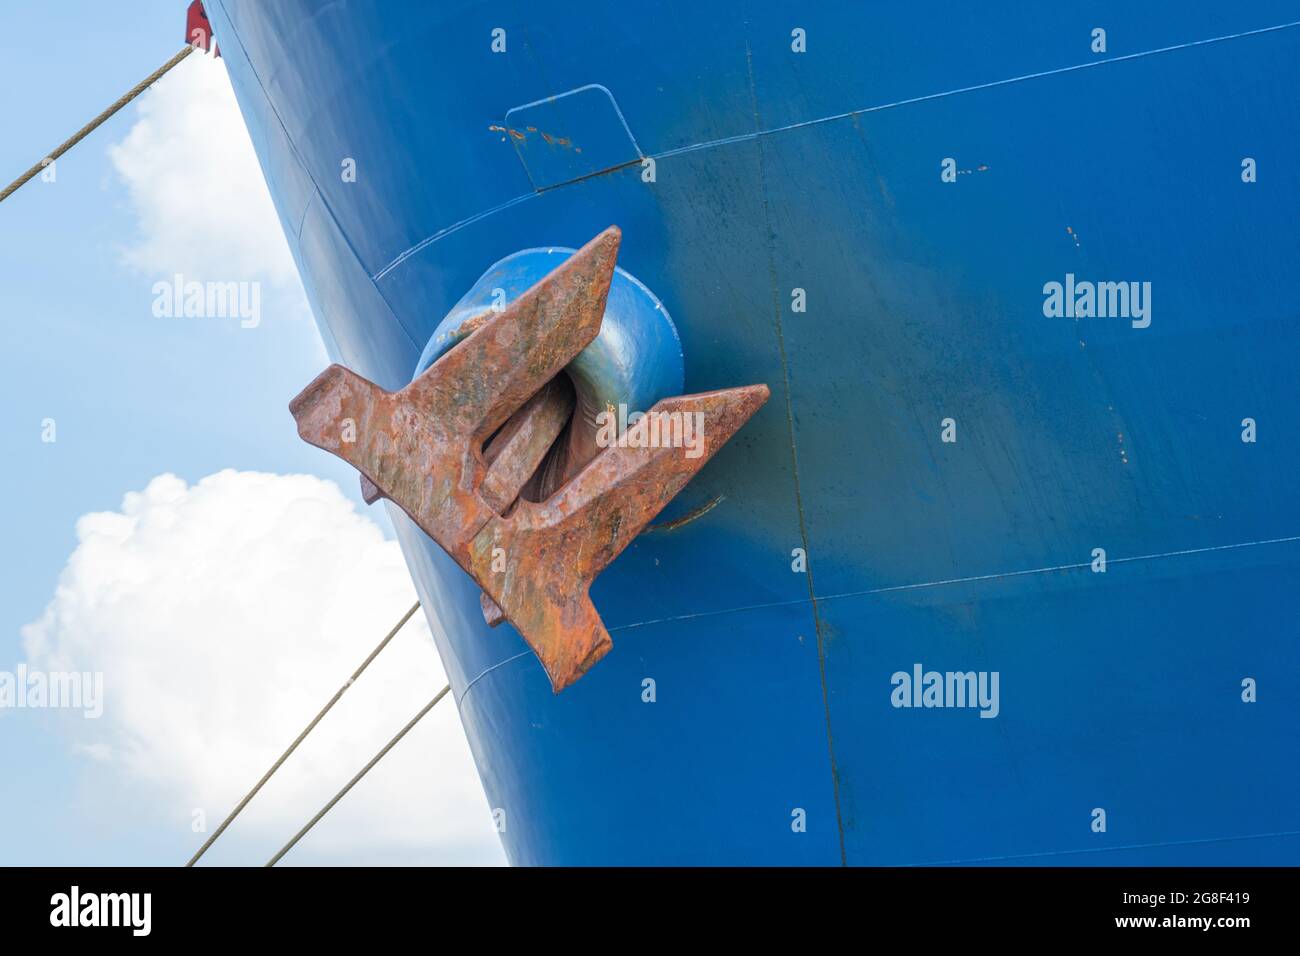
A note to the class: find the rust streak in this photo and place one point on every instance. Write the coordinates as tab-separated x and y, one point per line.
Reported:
687	518
520	135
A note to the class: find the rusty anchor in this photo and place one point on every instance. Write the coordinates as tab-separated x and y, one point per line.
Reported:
455	448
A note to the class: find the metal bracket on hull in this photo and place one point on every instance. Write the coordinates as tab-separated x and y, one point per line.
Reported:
423	447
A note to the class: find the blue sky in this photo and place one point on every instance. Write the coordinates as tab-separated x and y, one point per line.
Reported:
133	397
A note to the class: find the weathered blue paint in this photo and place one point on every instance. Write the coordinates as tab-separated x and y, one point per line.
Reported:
776	170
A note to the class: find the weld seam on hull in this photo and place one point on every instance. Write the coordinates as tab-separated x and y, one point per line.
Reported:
747	137
1109	849
486	671
971	579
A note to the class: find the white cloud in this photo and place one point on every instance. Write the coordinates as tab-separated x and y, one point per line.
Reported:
195	185
223	615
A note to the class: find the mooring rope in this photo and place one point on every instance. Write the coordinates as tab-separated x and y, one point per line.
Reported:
360	773
90	127
302	736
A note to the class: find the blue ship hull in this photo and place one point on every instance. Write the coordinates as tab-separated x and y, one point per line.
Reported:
823	171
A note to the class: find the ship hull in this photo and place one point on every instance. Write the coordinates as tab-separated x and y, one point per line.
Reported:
942	458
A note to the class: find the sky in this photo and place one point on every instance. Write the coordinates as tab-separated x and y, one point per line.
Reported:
166	527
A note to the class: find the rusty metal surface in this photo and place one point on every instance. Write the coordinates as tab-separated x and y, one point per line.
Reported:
514	453
369	493
423	448
554	549
492	612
